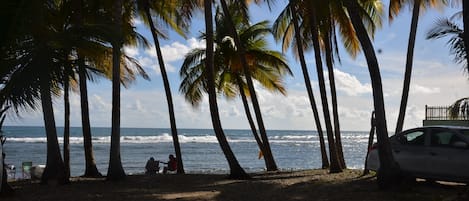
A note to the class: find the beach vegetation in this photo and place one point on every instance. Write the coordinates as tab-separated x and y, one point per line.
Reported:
388	172
165	11
282	30
267	68
236	171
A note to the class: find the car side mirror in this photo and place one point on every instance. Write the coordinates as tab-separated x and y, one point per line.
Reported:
460	144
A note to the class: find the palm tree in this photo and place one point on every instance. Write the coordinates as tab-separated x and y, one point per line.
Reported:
465	19
236	171
394	8
282	27
388	171
5	188
460	108
78	20
266	66
271	166
312	20
66	136
33	56
447	28
163	9
115	170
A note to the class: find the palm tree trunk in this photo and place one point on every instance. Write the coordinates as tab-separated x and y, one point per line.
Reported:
236	171
387	174
335	165
169	99
309	88
115	170
5	188
465	19
271	166
90	164
250	119
335	110
66	126
55	168
408	66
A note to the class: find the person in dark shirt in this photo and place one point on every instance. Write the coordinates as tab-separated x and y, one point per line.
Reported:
152	166
172	164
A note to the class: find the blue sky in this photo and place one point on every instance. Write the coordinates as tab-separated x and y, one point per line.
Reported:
436	81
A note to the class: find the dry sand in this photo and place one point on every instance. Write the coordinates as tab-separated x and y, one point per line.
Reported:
315	185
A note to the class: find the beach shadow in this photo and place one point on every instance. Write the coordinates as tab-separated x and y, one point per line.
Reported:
278	186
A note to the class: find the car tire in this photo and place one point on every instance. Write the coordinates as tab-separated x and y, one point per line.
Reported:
386	181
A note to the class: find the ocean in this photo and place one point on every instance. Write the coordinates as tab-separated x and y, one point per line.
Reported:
293	150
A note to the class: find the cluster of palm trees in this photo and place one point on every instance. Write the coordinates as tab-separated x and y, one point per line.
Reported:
54	46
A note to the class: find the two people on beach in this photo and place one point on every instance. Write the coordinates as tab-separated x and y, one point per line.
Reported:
153	166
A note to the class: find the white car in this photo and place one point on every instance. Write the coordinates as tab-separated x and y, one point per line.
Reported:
433	152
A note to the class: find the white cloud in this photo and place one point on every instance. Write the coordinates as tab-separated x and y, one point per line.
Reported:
172	54
424	90
350	85
131	51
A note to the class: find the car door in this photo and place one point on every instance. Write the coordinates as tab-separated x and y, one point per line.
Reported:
409	150
449	155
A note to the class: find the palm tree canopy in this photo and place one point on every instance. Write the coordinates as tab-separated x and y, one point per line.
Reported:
267	66
395	6
460	108
45	41
447	28
328	19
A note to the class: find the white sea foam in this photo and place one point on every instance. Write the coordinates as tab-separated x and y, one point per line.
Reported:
167	138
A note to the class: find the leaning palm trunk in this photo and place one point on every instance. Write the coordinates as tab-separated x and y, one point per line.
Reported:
387	174
408	66
115	170
335	165
271	166
236	171
335	111
167	88
249	117
90	164
67	126
465	19
309	88
55	168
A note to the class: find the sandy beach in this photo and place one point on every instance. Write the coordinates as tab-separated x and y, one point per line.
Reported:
298	185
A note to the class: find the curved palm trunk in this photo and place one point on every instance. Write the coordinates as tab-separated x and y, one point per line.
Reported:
335	110
90	164
67	127
115	170
169	99
250	119
465	19
309	89
236	171
408	65
271	166
335	165
388	171
55	168
5	188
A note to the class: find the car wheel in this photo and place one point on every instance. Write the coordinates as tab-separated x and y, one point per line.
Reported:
388	179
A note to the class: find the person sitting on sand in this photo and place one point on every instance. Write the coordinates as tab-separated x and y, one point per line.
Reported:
152	166
171	165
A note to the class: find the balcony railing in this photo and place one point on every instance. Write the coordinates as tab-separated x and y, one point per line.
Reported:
441	113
